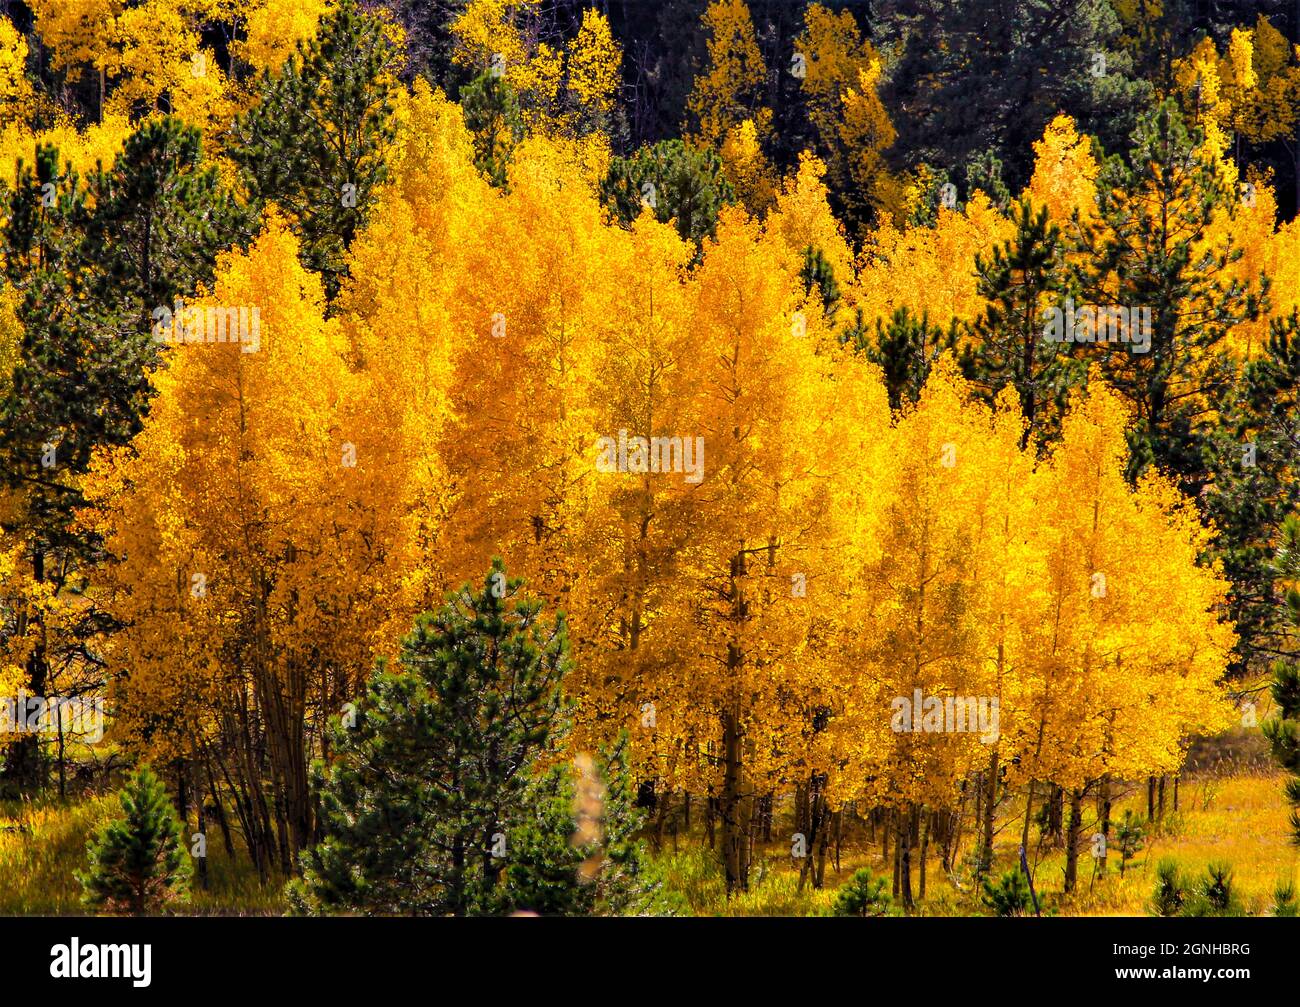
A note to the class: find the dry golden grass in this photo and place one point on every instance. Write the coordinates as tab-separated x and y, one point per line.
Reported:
1239	819
43	844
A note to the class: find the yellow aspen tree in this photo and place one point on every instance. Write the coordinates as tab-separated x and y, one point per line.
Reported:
272	28
747	167
401	339
251	541
1130	645
931	269
1007	569
525	303
78	33
565	91
1065	173
769	497
841	73
632	618
730	88
919	654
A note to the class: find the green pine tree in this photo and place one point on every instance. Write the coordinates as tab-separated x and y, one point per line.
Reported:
905	347
863	895
1255	486
677	182
137	864
1128	834
316	140
984	172
1284	899
1148	250
1283	731
581	824
1170	893
1009	896
492	116
438	788
1214	894
90	261
1020	280
818	275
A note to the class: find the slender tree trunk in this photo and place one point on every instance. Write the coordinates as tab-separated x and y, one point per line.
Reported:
925	849
203	831
1072	840
1056	817
898	850
734	841
23	771
990	801
1103	807
905	858
1029	813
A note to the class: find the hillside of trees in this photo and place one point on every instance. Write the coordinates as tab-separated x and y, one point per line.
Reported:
520	456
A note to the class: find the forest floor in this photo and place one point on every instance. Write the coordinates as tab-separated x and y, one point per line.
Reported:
1238	817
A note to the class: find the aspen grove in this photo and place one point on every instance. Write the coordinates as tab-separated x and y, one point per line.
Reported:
830	515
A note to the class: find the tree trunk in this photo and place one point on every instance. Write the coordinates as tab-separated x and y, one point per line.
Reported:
990	800
1103	807
905	858
925	847
735	844
1072	840
898	850
24	772
1056	817
1029	813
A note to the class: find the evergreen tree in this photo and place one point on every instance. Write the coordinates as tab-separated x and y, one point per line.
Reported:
1284	899
90	262
581	824
1129	835
984	172
434	796
137	864
1149	250
160	219
905	347
1009	896
863	895
1283	731
315	141
1254	460
492	116
1170	893
818	275
1214	895
1020	280
677	182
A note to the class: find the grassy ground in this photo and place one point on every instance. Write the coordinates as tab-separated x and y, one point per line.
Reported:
1238	818
42	845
